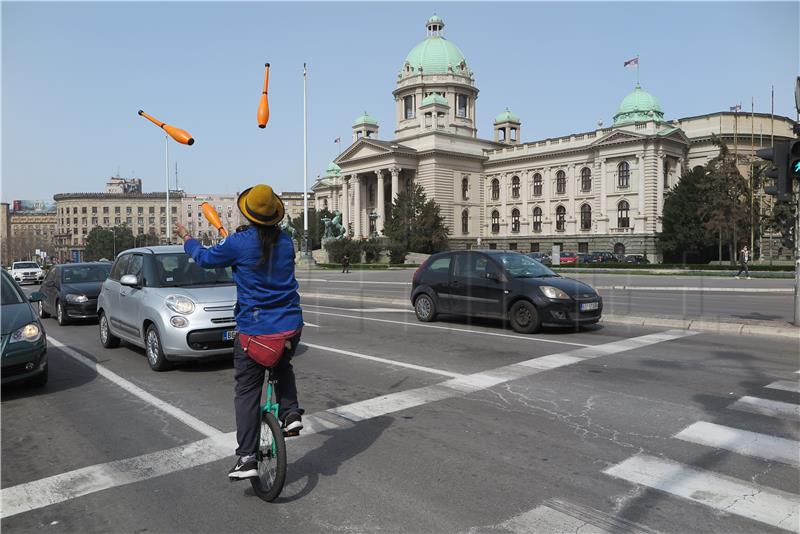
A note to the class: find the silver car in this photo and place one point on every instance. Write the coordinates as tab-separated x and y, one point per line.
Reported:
158	298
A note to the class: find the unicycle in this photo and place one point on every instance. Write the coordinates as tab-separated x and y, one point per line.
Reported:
271	453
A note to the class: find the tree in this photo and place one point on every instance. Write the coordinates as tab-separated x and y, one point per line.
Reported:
684	237
107	242
415	225
781	219
316	228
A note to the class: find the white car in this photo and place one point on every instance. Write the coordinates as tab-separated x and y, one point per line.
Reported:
26	271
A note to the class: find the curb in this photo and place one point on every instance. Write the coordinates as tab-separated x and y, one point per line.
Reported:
786	331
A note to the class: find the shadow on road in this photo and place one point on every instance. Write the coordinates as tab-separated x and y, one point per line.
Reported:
64	373
503	325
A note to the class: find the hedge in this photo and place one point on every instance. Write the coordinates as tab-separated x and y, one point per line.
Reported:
369	266
681	266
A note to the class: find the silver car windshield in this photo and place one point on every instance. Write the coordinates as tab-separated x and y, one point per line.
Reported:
180	270
521	266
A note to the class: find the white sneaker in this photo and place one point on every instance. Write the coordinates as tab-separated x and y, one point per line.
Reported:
749	278
737	277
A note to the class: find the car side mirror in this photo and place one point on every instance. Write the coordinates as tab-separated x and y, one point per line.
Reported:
129	280
35	297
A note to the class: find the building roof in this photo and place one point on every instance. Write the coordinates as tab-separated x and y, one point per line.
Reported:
333	169
436	54
434	98
639	106
506	116
365	119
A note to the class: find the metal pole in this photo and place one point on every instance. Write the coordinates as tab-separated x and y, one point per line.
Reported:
306	251
166	167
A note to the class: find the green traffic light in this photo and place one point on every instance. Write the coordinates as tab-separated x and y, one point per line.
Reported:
795	168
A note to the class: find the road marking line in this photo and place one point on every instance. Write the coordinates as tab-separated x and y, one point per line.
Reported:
746	499
306	323
743	442
785	385
698	289
65	486
403	310
768	407
452	329
185	418
382	360
358	282
545	519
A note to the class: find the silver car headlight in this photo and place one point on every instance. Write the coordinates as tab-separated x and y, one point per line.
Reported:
554	293
76	299
30	333
180	304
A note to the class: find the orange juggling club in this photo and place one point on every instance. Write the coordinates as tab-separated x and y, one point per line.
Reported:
181	136
263	103
213	218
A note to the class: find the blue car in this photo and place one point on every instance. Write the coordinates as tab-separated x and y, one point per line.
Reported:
24	343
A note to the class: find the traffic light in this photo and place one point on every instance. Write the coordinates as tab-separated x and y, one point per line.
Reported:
794	159
778	155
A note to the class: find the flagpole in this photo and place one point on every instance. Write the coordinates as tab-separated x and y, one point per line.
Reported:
772	119
306	251
637	69
752	170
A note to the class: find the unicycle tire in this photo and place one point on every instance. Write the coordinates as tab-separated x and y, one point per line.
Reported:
271	465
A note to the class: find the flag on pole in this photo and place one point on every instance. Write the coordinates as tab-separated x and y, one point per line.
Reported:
337	140
632	62
737	108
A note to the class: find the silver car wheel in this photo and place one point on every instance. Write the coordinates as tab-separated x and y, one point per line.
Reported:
423	307
59	314
152	347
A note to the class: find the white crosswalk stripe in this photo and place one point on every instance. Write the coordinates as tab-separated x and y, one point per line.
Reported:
772	408
786	385
743	442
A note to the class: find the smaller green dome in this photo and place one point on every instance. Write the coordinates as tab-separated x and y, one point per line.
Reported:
434	98
365	119
435	19
506	116
639	106
333	170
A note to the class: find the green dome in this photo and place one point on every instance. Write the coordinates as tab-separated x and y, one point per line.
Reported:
435	19
434	98
333	170
365	119
637	107
435	54
506	116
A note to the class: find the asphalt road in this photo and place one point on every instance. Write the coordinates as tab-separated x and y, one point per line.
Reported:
442	427
686	297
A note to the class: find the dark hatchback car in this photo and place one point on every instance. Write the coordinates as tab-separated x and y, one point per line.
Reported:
501	284
24	344
70	291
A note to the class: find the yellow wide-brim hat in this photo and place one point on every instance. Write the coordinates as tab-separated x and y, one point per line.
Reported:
260	205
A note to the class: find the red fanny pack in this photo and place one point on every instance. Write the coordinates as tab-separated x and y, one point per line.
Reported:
266	349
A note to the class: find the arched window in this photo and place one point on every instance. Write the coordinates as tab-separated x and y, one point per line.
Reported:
537	219
623	220
495	221
515	220
408	107
537	185
623	175
465	188
619	249
586	179
586	217
495	189
561	182
561	218
465	221
515	187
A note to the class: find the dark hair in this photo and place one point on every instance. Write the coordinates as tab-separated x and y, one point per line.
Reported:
268	236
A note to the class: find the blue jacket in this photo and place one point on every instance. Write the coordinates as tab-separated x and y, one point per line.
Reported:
268	302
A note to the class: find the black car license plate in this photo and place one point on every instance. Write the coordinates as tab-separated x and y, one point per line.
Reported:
589	306
228	335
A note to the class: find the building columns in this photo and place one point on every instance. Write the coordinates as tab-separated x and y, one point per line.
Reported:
395	182
357	207
346	205
381	204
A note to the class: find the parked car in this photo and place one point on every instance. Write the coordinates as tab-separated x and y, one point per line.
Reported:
70	291
585	257
24	353
603	257
567	258
159	299
541	257
501	284
26	272
636	258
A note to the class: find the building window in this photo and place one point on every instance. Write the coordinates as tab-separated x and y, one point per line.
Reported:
515	187
140	210
465	188
105	210
94	221
623	221
116	220
151	209
586	179
561	217
129	221
515	220
105	220
465	222
83	210
408	107
583	247
537	185
495	221
534	247
128	210
495	189
561	182
586	217
94	210
619	249
83	220
623	175
116	210
512	246
461	106
492	246
140	220
151	220
666	174
74	210
537	219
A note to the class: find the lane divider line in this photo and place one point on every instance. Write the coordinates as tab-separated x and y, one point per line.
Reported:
66	486
182	416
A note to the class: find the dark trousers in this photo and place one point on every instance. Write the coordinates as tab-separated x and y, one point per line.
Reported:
743	267
249	376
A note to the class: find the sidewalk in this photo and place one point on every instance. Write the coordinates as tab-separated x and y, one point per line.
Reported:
743	328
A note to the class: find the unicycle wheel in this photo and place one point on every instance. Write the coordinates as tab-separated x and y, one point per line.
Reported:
271	458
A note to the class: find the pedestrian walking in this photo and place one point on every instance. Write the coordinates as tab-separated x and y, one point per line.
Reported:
346	263
744	259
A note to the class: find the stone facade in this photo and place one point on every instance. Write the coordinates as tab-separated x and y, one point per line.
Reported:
29	231
597	190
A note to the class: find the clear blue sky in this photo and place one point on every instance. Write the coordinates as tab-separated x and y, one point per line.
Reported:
74	75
